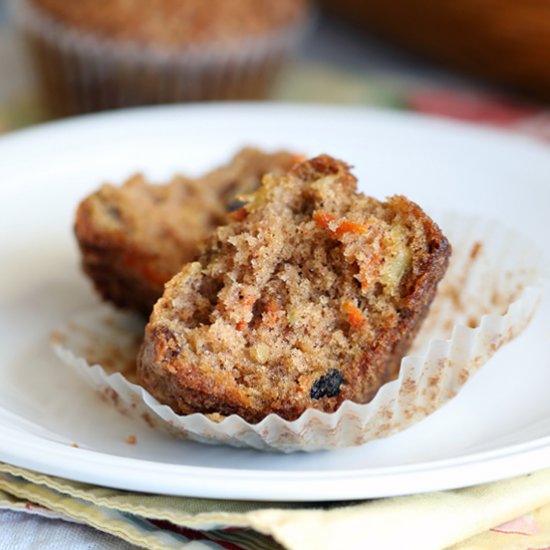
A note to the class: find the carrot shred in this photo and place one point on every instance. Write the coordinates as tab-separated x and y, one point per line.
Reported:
346	226
238	215
355	317
241	325
322	218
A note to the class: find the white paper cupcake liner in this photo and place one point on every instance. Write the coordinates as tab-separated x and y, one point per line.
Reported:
81	72
493	284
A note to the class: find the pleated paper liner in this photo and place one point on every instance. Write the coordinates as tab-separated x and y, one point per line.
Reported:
82	72
488	296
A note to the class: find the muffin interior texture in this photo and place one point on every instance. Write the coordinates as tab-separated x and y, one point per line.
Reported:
309	296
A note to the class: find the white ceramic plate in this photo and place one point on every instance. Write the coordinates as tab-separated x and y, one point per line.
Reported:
498	426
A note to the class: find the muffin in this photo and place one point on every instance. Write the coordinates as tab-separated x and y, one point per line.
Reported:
101	54
308	298
493	281
135	237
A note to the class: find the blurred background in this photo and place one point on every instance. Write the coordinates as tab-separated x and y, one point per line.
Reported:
485	61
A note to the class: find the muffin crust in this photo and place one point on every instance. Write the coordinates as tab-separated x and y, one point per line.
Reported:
175	23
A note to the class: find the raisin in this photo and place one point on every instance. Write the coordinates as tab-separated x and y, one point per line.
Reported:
235	204
328	385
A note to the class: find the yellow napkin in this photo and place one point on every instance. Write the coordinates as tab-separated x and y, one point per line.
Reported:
466	518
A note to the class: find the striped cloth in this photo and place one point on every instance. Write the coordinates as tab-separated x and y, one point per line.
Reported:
507	515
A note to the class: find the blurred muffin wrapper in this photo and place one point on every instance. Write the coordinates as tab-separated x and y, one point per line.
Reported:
493	283
81	72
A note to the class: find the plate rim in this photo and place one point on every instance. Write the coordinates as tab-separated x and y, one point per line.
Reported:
336	485
231	107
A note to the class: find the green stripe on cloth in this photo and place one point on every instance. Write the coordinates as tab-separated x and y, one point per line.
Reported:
11	502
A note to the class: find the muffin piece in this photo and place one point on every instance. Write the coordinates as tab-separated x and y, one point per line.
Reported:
310	297
102	54
135	237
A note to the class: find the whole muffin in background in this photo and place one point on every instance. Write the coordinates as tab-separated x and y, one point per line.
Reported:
102	54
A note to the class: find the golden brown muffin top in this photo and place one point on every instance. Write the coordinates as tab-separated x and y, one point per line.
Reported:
176	22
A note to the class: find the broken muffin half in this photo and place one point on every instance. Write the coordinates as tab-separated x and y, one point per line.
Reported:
310	296
135	237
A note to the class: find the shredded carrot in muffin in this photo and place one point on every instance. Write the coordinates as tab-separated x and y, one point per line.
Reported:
322	218
238	215
355	316
346	226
